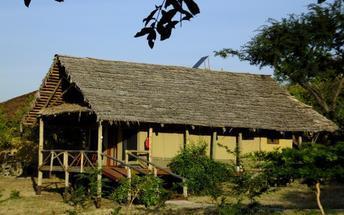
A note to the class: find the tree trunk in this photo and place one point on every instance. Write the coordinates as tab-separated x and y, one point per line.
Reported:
317	186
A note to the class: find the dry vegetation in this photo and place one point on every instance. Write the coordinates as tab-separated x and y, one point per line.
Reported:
296	199
12	106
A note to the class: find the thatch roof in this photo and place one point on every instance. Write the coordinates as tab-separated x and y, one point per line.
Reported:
136	92
64	108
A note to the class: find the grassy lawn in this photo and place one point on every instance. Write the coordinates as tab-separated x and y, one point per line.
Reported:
296	199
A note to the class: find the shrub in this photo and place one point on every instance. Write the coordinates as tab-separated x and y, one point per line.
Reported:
204	175
147	190
78	197
250	185
84	190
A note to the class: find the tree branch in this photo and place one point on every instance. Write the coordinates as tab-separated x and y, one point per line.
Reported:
337	92
317	95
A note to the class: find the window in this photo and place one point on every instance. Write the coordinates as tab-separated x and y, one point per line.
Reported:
273	141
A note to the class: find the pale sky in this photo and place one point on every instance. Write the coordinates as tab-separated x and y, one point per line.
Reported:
29	37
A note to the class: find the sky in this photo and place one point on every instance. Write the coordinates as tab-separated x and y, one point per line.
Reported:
30	37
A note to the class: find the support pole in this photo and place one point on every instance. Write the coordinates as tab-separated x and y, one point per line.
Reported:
185	189
155	171
126	158
213	145
129	178
82	161
65	165
100	163
120	143
238	152
40	156
186	138
300	140
150	137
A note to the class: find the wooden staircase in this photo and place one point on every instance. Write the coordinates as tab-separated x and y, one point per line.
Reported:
117	173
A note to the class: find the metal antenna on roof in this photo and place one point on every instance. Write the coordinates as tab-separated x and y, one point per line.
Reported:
200	61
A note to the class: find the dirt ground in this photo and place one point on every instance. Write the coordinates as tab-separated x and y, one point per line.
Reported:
296	199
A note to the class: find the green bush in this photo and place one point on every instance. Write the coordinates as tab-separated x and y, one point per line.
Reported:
146	190
78	197
204	175
84	189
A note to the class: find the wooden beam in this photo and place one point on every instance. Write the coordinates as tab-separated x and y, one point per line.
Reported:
53	93
40	156
300	140
213	145
65	166
238	151
186	138
99	164
150	137
119	143
185	189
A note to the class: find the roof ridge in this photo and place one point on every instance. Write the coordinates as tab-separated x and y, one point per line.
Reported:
163	65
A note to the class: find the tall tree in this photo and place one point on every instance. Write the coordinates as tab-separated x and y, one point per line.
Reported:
304	49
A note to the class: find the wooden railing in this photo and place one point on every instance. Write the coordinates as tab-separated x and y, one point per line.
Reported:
155	168
137	153
69	160
79	160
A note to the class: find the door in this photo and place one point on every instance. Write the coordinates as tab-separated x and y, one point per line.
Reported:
111	146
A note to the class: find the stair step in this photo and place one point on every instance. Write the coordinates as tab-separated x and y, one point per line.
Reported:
118	173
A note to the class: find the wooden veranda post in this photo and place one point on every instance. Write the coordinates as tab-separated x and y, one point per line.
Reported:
186	138
150	137
99	164
40	156
213	145
185	189
238	151
65	164
300	140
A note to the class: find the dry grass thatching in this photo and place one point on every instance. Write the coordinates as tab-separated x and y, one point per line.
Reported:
135	92
64	108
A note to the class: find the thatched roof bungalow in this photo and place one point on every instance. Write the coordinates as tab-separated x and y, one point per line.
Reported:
134	92
123	106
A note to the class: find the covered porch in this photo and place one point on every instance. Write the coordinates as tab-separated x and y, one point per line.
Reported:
74	141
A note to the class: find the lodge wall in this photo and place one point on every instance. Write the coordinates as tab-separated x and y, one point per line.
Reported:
166	145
